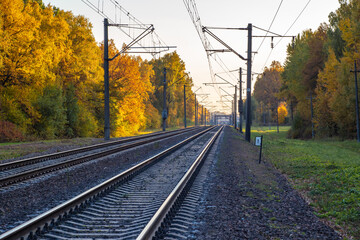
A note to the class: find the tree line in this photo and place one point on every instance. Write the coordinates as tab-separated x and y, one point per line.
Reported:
316	79
51	79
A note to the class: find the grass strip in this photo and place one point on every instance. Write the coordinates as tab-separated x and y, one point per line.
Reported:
326	171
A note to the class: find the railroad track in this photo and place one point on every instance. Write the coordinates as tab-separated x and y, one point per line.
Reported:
138	201
21	170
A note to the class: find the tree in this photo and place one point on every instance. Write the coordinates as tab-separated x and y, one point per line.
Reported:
306	58
53	117
176	78
325	91
267	87
282	111
40	47
130	87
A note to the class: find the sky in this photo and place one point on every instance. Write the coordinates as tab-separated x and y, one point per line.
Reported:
174	26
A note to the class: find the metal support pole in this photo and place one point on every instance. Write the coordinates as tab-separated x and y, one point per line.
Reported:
106	82
235	114
261	144
195	111
240	101
205	116
312	117
277	116
184	107
164	113
248	85
357	103
202	115
232	112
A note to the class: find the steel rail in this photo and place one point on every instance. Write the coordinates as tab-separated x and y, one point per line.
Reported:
29	161
158	223
12	179
46	220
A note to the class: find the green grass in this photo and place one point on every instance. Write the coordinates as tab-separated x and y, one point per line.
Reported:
327	171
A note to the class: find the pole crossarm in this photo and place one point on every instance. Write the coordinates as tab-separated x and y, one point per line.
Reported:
206	30
209	84
177	80
226	97
264	36
197	90
216	75
226	28
134	41
203	97
194	92
124	21
218	50
226	92
275	34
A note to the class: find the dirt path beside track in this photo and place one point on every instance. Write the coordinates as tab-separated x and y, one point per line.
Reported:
247	200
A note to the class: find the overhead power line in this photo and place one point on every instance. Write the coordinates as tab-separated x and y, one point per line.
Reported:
296	19
128	24
277	11
212	54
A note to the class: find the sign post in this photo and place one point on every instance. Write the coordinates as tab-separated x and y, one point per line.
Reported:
258	142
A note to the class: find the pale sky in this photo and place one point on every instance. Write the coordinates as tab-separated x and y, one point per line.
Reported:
172	23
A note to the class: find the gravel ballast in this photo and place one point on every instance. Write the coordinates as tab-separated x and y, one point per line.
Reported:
247	200
21	202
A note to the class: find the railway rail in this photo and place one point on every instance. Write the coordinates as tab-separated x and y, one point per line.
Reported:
121	206
21	170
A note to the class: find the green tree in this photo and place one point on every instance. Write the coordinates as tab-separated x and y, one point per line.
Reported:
53	116
72	112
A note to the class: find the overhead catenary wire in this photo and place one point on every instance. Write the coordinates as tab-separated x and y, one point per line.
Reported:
129	28
296	19
212	56
272	22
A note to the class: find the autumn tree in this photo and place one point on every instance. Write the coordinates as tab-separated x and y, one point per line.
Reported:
343	99
282	111
326	89
40	48
130	87
266	91
335	104
176	78
306	59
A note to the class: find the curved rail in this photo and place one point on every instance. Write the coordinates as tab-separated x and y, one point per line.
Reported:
46	220
158	223
12	179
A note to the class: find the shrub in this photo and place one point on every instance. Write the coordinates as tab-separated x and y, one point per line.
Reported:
9	132
300	128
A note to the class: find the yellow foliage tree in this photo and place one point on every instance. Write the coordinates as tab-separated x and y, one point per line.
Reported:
282	112
129	90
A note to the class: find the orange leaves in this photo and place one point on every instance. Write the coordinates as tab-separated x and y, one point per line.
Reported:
40	47
282	112
129	90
